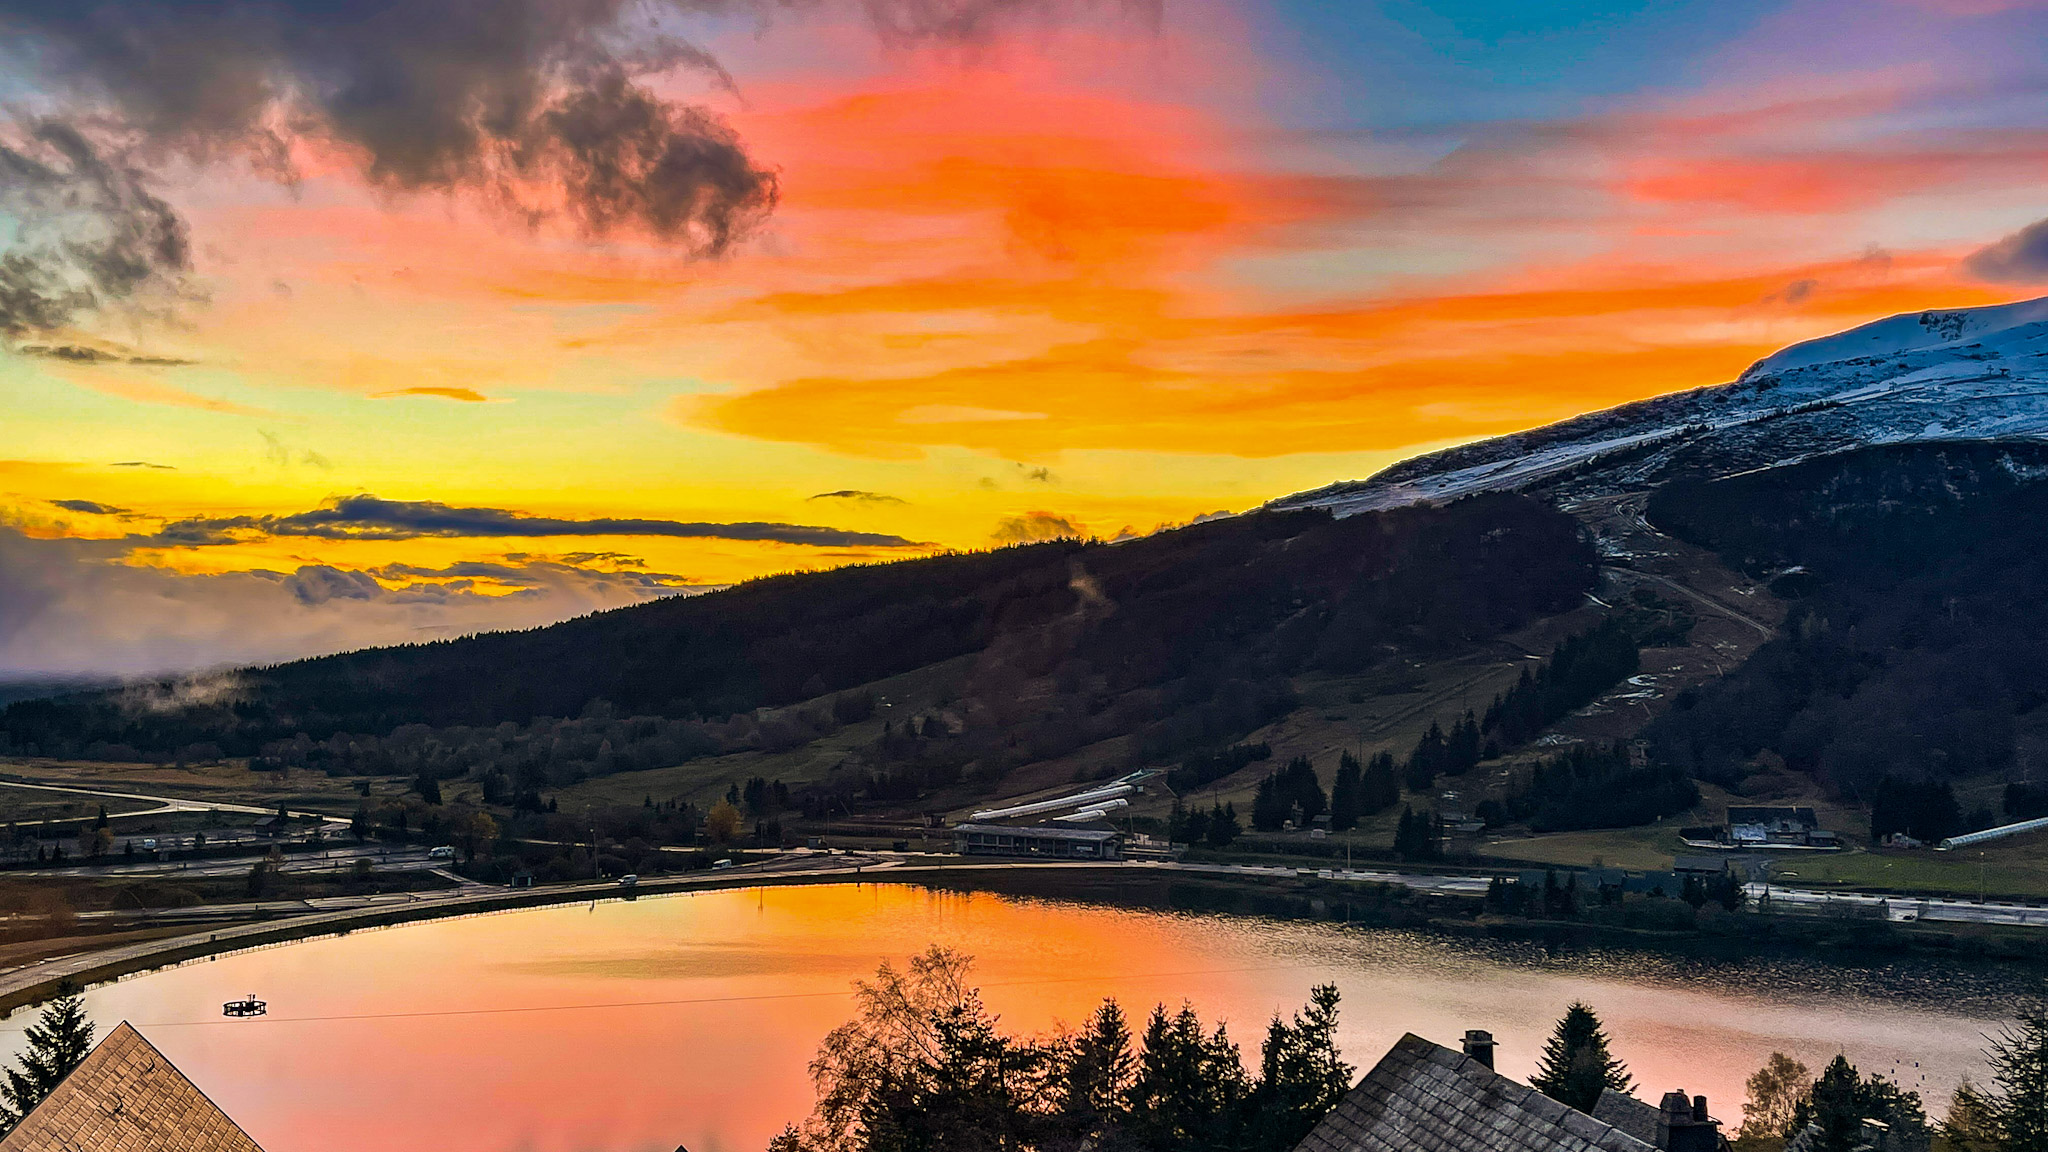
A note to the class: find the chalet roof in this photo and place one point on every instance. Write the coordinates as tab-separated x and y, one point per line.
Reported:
1638	1118
126	1097
1422	1097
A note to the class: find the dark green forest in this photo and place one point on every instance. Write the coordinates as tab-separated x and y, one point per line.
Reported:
1919	579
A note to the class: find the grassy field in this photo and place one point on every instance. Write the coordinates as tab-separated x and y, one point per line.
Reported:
2015	869
225	783
29	805
1646	849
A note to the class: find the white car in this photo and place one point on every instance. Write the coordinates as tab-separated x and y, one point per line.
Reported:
444	852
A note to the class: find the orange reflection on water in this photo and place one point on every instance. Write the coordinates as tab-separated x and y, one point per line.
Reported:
635	1027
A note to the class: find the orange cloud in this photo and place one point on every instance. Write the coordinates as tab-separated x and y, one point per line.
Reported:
1376	376
467	395
1830	182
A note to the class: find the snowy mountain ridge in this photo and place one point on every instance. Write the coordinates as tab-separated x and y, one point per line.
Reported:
1976	374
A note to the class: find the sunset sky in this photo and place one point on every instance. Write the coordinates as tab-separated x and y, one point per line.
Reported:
332	323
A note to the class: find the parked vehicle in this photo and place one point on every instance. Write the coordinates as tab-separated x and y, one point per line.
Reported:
721	864
629	881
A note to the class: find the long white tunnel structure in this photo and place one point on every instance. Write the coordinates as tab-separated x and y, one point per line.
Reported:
1092	798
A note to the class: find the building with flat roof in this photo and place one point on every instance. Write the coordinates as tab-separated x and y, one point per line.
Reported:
126	1097
1059	841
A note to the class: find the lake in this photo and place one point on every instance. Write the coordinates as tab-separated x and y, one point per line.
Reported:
637	1026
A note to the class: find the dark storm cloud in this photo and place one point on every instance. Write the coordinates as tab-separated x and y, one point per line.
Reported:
84	232
85	354
859	496
540	107
2021	258
374	518
532	572
88	507
537	104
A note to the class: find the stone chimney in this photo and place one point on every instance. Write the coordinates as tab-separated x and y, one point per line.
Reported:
1479	1046
1683	1124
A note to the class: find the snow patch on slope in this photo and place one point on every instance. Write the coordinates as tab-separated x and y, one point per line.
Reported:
1938	376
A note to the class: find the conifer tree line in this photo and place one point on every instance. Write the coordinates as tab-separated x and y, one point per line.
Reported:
1578	671
1218	827
924	1067
1445	754
1362	789
1580	668
1419	835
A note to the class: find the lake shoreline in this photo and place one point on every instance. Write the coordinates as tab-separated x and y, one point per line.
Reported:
1831	941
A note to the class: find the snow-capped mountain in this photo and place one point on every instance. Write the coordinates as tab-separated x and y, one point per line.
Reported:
1971	374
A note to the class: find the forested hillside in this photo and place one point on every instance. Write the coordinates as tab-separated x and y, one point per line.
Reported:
1913	653
1182	640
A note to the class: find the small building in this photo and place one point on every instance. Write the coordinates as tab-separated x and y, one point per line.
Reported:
1756	826
126	1097
1702	866
1061	842
1423	1097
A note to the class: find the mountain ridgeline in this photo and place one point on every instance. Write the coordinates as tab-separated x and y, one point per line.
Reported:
1181	640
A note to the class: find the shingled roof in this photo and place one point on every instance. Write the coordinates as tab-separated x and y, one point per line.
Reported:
1633	1116
125	1097
1422	1097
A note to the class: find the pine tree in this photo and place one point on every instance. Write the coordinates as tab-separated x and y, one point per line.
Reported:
1461	748
1223	825
2015	1112
1190	1087
1347	794
1428	760
1269	805
1382	785
1576	1065
1841	1100
1418	835
57	1042
1097	1070
1301	1075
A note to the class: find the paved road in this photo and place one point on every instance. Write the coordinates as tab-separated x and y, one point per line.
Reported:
163	803
1902	909
1431	883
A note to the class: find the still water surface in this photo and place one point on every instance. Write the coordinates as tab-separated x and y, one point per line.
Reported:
635	1027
